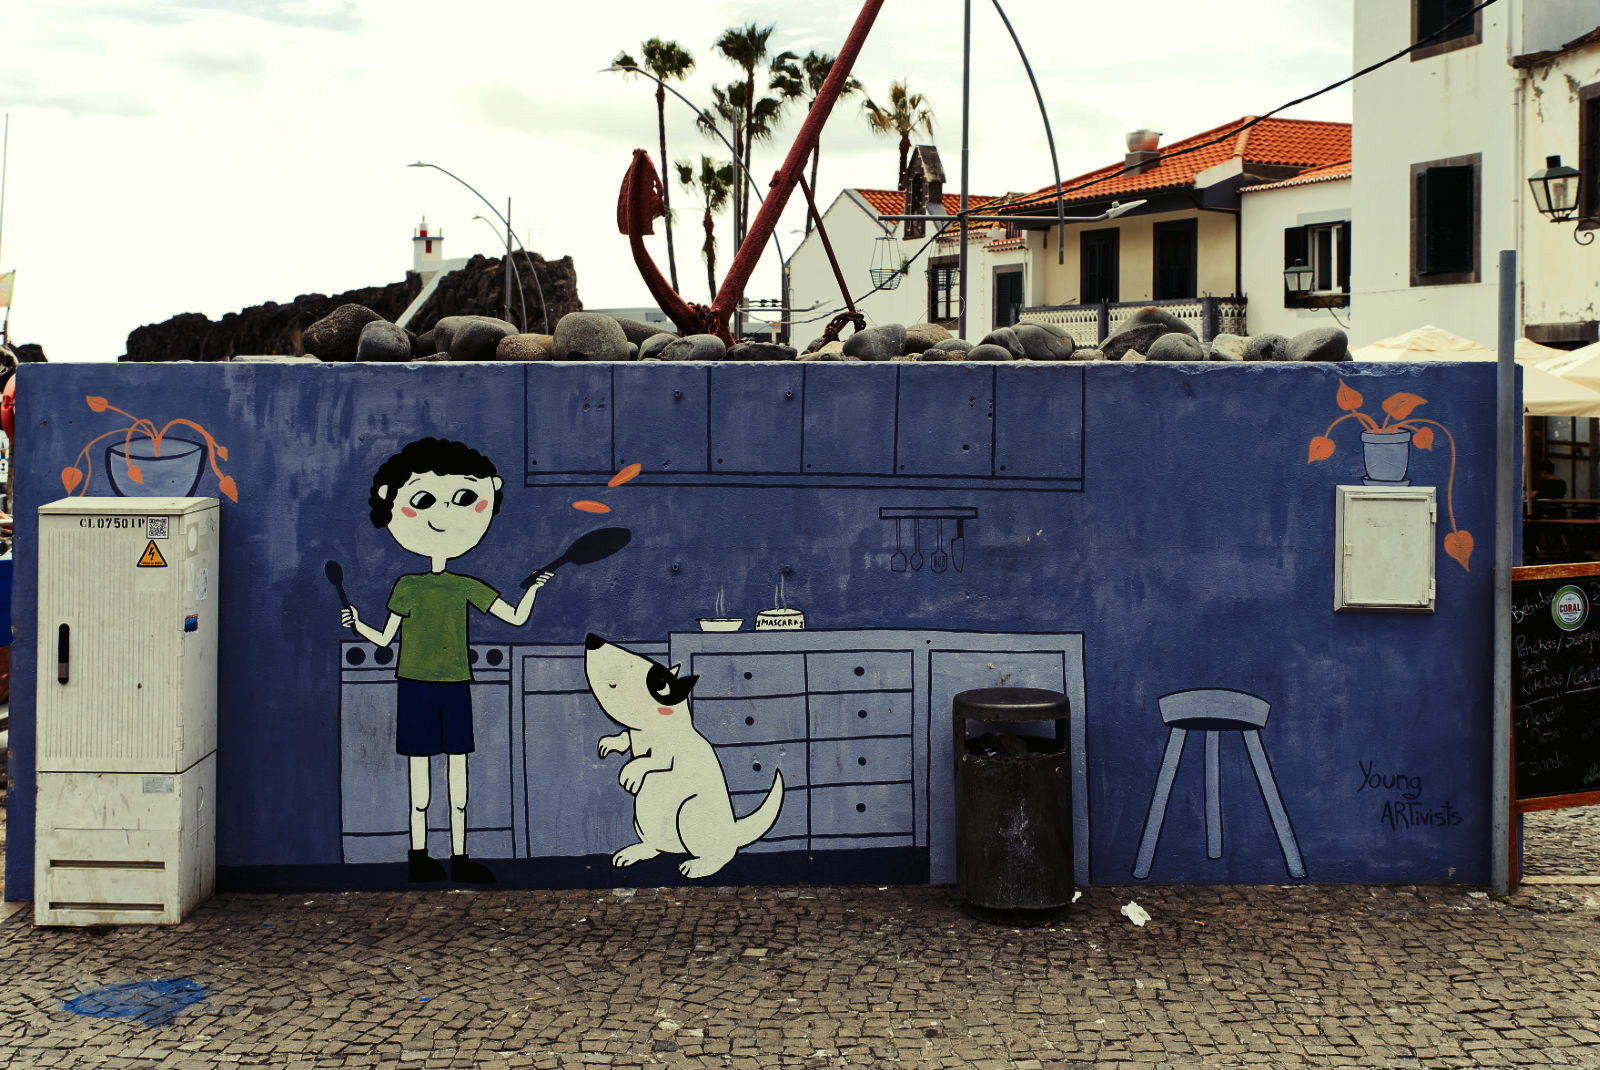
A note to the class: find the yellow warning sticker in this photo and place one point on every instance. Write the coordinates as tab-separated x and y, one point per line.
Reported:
152	558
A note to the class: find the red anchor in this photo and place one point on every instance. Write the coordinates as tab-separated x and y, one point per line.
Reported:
640	202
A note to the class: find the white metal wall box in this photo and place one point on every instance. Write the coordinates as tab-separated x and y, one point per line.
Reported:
1384	549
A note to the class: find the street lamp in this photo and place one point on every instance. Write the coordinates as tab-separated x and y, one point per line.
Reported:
506	221
1555	194
1297	279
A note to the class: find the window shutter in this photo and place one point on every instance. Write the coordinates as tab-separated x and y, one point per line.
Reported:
1447	223
1296	250
1343	245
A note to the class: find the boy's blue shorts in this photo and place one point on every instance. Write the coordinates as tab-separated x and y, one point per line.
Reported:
433	718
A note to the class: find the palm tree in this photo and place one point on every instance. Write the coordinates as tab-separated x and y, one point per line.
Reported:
745	47
726	116
668	61
817	66
906	112
715	185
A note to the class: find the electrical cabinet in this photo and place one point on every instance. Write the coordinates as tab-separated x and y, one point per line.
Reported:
1383	542
126	720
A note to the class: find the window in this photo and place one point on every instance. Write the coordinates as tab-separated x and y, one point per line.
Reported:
1445	215
1325	247
944	277
1176	264
1589	157
1443	25
1007	298
1097	261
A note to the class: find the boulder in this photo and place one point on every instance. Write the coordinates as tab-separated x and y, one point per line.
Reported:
1266	347
761	351
445	330
1319	343
478	338
336	335
924	336
1138	336
1132	354
589	336
1088	353
634	331
425	346
989	351
959	346
883	342
1151	314
694	347
650	348
524	347
1226	347
833	350
936	353
1040	342
382	340
1004	337
1176	346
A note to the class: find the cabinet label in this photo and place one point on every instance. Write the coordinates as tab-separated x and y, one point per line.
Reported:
151	558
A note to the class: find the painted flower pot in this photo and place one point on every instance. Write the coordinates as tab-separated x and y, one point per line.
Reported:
175	473
1386	456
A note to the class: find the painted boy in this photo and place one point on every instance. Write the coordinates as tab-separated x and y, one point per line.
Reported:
437	498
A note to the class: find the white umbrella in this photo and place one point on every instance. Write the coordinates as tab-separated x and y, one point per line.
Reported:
1423	343
1580	365
1544	394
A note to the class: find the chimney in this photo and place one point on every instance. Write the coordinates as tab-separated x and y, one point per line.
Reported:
1143	153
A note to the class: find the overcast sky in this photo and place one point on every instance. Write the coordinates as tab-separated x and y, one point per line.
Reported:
171	156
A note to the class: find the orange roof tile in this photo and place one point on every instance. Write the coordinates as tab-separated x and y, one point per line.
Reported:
893	201
1278	142
1331	173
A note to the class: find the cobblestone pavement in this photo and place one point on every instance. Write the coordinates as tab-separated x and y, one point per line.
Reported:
1278	976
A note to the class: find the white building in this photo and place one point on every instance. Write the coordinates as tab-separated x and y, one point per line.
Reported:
1301	220
1442	144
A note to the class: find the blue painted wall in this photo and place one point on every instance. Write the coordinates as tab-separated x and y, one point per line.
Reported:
1151	528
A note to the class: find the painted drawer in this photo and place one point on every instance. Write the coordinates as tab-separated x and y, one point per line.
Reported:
861	810
863	713
553	672
754	675
867	670
750	768
751	720
854	761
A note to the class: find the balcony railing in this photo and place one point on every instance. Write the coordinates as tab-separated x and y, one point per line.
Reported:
1090	325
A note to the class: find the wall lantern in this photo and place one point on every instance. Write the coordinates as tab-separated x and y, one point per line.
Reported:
1297	279
1555	194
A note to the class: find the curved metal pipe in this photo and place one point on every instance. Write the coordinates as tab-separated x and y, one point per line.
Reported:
1061	203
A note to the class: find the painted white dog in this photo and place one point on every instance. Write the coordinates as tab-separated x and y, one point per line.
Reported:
681	803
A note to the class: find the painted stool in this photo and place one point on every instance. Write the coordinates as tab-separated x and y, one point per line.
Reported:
1213	711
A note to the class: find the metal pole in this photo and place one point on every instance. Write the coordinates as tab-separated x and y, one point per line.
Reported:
1506	501
508	261
966	99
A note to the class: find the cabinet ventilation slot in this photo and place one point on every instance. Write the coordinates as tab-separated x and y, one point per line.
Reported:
91	863
154	908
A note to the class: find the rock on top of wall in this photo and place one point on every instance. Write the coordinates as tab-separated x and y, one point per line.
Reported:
337	335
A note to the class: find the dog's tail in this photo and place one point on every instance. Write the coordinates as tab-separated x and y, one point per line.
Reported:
756	824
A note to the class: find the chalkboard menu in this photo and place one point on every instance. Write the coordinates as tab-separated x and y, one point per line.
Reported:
1555	680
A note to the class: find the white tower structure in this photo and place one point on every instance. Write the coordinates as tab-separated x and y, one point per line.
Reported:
427	250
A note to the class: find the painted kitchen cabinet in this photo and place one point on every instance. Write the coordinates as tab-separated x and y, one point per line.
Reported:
756	418
945	424
1038	426
849	419
662	413
375	805
569	420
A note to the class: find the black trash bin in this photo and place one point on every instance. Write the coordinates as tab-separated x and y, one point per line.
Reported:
1013	800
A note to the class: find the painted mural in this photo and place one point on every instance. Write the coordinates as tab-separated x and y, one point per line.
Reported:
746	674
143	460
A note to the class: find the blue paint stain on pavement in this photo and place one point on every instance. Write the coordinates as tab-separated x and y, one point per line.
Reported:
151	1002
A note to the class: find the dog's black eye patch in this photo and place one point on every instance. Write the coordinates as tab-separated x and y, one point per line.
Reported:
666	688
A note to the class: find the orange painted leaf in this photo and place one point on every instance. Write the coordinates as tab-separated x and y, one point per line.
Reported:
591	507
1423	438
1321	449
623	476
1399	406
134	473
96	403
70	478
222	453
1458	544
1349	399
226	486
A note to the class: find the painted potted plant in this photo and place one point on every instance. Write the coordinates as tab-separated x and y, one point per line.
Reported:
781	617
148	462
1386	452
721	622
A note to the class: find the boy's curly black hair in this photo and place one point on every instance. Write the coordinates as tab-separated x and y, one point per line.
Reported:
437	455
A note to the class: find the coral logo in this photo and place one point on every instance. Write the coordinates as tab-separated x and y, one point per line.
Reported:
1570	609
